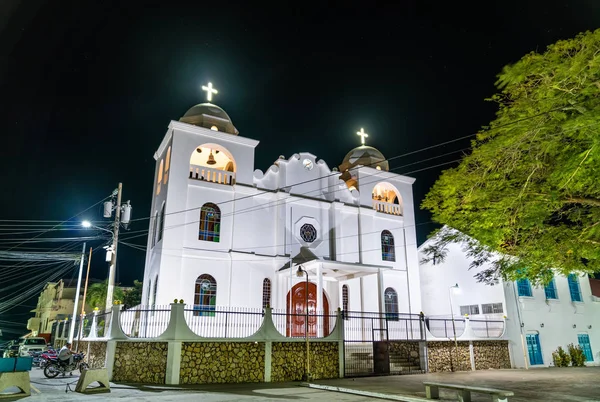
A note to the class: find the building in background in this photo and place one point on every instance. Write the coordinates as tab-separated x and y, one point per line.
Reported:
538	319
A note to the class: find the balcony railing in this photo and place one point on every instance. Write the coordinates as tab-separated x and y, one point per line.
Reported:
205	173
387	208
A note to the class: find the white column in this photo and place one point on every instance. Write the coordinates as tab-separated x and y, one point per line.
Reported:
173	363
320	306
381	300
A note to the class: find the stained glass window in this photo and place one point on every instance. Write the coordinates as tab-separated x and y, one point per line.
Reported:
388	252
391	304
308	233
210	223
266	301
205	296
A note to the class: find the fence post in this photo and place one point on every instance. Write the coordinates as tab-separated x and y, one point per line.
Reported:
472	355
177	329
114	328
94	328
341	344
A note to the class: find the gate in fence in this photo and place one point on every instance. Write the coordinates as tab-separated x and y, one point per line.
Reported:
382	343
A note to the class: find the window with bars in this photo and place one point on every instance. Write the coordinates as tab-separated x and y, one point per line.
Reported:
266	300
574	288
205	296
210	223
550	290
388	251
391	304
472	309
492	308
345	300
524	287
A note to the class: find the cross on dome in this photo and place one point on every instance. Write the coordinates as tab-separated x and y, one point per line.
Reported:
209	91
362	135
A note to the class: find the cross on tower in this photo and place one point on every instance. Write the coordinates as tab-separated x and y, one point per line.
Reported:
209	91
362	135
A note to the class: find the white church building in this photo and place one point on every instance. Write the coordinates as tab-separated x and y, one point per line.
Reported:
225	234
538	319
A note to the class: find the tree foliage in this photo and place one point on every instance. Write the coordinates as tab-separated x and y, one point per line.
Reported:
529	192
96	294
133	296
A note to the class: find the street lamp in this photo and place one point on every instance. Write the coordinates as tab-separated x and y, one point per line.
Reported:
299	273
450	290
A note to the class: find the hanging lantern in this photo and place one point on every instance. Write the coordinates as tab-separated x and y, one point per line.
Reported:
211	159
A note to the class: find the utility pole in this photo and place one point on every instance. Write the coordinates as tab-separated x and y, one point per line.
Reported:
74	320
87	276
113	259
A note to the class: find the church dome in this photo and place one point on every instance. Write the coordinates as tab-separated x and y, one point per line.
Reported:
364	156
209	116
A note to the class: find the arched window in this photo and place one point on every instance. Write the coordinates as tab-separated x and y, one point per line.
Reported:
154	226
345	300
161	222
388	252
167	165
154	290
159	178
210	223
391	304
205	296
266	302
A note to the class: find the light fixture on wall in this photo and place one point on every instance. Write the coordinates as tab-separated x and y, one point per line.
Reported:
211	159
542	325
574	325
589	327
199	150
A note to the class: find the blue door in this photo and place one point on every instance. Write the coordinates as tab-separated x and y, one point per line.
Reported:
584	343
534	349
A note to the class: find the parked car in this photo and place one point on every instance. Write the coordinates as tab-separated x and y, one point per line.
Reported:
12	350
34	344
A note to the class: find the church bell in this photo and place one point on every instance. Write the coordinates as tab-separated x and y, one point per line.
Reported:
211	159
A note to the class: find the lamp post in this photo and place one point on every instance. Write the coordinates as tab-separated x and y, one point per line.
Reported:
87	225
299	273
450	290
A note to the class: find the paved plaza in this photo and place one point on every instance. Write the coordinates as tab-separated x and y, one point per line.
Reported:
546	384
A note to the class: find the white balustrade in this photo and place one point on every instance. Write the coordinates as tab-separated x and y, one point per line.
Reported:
212	175
387	207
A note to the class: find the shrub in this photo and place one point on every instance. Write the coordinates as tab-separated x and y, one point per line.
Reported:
577	355
561	358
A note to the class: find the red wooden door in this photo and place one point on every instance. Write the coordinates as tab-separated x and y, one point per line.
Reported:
296	320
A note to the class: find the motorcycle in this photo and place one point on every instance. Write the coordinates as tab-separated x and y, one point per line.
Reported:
37	358
46	356
55	366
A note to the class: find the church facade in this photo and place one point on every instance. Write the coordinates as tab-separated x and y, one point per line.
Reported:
227	235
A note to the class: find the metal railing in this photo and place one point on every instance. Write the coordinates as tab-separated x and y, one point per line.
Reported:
103	323
320	324
145	321
373	326
224	322
487	329
442	327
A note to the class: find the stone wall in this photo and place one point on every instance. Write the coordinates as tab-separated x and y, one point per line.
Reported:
140	362
96	358
288	360
442	356
491	355
404	357
222	362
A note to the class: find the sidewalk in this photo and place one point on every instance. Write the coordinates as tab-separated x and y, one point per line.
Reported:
543	384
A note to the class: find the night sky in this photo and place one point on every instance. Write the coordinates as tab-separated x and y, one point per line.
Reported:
88	88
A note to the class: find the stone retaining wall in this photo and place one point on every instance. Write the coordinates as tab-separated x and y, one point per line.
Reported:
140	362
491	355
442	356
222	362
96	357
288	360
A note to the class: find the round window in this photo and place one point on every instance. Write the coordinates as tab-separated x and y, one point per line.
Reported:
308	233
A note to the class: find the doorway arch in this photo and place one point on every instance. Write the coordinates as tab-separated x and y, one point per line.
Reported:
296	316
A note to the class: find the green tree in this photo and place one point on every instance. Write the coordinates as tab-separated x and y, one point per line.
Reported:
529	191
133	296
96	294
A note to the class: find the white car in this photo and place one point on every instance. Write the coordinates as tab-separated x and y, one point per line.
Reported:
32	345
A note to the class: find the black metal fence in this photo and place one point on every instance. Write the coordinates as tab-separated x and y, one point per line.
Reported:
487	329
320	324
362	326
145	321
446	327
224	322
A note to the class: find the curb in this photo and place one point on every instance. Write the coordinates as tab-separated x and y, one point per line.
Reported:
389	397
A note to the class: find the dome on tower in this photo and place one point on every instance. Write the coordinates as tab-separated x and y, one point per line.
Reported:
209	116
364	156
